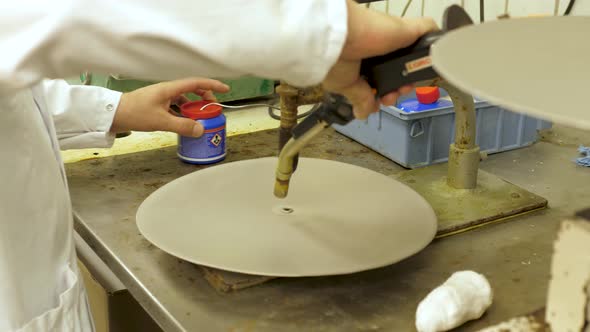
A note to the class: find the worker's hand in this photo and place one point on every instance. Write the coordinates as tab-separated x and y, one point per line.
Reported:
371	33
148	109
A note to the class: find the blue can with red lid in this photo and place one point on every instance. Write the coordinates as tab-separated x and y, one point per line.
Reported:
209	148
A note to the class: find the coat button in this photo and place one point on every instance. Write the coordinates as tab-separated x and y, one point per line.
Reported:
109	107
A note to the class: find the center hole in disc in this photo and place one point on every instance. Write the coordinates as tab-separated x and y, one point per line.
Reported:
286	210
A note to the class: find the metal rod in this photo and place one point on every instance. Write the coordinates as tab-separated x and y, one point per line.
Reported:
288	119
422	9
287	156
464	154
569	7
481	11
291	99
464	118
310	95
406	8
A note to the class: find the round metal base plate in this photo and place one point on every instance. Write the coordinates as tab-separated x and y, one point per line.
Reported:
337	219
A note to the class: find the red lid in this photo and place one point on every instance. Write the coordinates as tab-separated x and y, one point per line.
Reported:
193	110
427	94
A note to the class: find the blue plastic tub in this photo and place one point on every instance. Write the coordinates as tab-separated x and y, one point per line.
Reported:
415	135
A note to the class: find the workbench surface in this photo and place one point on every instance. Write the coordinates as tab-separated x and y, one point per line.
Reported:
515	255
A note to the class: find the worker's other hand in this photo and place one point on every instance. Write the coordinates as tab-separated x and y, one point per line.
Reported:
371	33
148	109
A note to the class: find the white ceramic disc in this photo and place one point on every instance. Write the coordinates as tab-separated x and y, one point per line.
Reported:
538	66
344	219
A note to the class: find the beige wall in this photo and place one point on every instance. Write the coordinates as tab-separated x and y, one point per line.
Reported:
493	8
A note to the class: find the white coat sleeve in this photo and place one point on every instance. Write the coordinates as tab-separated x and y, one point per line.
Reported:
294	40
82	114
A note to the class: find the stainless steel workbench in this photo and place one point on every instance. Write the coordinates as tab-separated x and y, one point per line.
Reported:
514	255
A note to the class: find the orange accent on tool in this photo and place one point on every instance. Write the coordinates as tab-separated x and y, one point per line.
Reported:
427	94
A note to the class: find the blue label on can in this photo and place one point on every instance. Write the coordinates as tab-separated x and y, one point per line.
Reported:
207	148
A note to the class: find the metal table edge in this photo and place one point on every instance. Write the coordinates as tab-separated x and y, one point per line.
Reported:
154	308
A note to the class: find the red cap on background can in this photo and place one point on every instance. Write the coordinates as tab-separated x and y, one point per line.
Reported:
427	94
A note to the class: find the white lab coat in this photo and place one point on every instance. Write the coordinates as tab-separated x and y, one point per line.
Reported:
40	287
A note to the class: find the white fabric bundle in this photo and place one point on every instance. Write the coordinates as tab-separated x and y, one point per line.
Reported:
464	296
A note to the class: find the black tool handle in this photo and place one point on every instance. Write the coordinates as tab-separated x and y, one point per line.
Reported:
389	72
385	73
334	109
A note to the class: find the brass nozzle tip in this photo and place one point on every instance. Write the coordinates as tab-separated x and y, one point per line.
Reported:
281	188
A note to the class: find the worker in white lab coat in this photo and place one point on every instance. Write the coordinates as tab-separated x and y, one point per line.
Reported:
302	41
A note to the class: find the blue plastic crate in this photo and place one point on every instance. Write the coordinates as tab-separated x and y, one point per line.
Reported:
416	135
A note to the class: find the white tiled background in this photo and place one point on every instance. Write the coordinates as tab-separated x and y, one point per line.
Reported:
492	8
